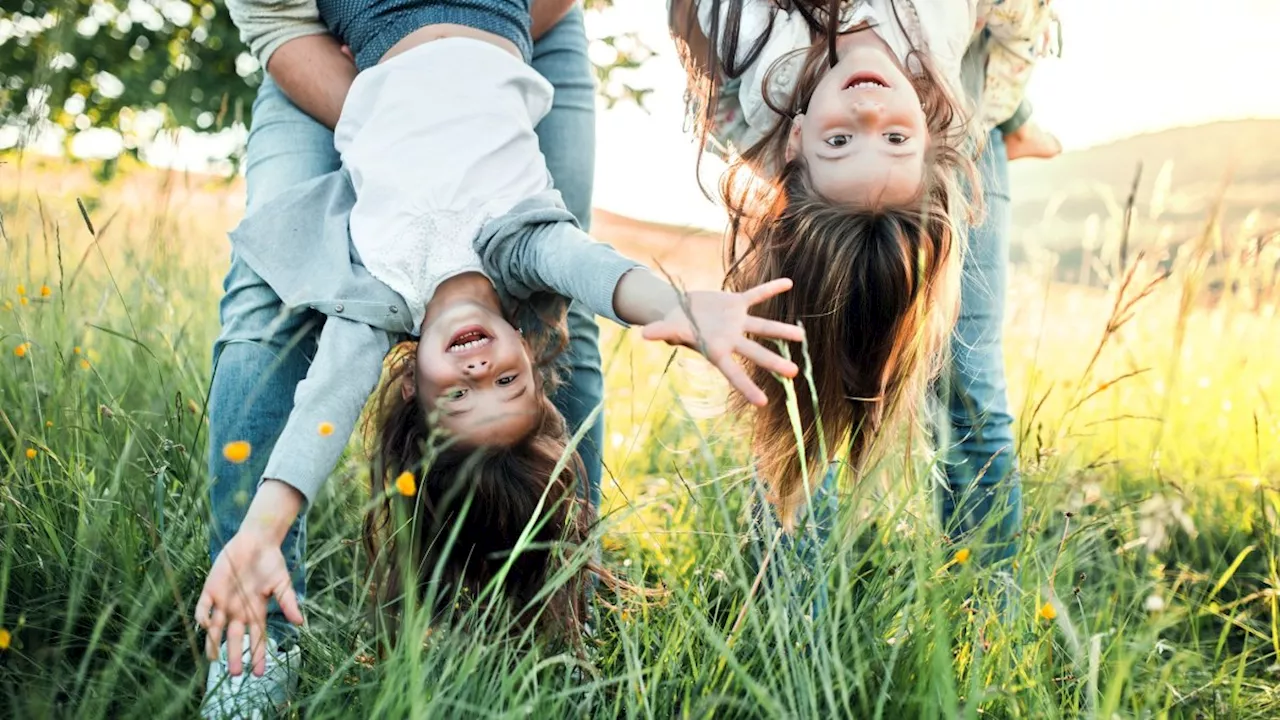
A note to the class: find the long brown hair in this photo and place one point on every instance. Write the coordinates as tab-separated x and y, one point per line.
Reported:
877	288
484	498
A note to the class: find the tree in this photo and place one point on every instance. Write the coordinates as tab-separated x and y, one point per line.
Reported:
83	64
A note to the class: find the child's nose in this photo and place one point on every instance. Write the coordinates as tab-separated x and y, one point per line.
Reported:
868	111
476	367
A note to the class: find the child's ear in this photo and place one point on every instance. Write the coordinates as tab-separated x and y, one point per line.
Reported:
793	139
409	386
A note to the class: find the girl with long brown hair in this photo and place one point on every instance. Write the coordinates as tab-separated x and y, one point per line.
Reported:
851	171
443	224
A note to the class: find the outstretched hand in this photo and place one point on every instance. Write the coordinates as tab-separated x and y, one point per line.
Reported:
716	324
248	572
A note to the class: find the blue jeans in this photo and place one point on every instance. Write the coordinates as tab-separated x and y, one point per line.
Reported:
977	431
264	348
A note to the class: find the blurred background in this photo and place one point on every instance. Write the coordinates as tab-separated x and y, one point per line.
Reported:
1141	346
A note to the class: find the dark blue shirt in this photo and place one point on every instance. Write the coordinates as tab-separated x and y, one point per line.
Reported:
371	27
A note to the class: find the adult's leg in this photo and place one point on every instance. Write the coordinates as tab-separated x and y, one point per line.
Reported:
263	350
982	483
568	140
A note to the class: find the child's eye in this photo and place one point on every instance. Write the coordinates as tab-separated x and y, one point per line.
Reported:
895	138
507	380
838	140
456	394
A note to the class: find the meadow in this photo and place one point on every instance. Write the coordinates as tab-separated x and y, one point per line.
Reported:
1147	577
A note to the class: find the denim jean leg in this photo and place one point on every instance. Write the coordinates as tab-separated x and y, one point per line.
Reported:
798	558
263	350
981	462
567	139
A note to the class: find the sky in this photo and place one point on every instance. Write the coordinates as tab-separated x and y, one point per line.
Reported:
1128	67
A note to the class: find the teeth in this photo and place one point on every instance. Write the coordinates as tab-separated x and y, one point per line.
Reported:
866	83
463	347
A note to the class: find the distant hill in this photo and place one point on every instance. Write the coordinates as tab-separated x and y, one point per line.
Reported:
1238	161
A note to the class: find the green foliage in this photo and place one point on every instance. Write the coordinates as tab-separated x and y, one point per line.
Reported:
97	61
1162	574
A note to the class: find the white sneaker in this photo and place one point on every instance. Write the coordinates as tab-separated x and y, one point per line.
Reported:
249	697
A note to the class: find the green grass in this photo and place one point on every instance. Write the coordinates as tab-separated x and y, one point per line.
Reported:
1150	516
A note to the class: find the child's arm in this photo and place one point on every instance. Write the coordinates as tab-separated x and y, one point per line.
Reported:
250	570
524	258
294	46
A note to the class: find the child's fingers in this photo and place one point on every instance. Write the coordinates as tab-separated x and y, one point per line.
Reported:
288	601
766	358
665	331
774	329
204	606
737	377
258	647
213	638
760	293
235	648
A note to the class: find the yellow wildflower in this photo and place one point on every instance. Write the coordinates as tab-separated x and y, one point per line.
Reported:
45	291
8	304
22	350
84	364
5	639
962	556
1048	611
31	453
325	429
237	452
76	350
22	301
406	484
48	423
22	289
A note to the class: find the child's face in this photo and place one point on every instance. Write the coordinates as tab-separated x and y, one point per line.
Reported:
475	368
864	134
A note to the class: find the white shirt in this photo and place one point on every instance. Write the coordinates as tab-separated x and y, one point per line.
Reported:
944	31
437	141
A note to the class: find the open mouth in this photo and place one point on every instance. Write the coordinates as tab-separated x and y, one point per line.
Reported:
866	80
469	338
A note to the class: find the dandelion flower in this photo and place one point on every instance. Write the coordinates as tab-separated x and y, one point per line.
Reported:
5	639
48	423
962	556
325	429
406	484
76	350
84	364
22	350
45	291
237	452
1048	611
22	301
31	453
22	289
